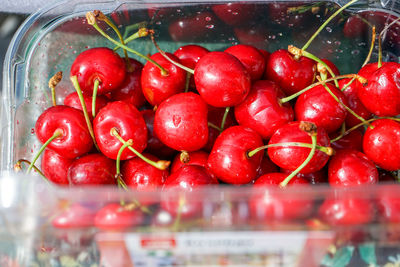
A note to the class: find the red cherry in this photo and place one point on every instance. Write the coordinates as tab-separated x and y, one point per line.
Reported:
92	169
75	139
381	143
256	36
157	86
388	203
250	57
141	176
235	13
55	167
128	122
266	166
354	27
318	106
278	13
381	95
181	122
154	145
351	167
99	63
228	159
262	110
75	216
186	179
221	79
353	102
215	116
131	89
72	100
114	217
265	54
290	74
353	140
291	157
275	178
333	68
317	177
386	176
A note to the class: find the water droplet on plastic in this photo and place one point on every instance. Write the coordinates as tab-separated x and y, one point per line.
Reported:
328	29
337	42
355	52
32	131
208	18
210	26
235	13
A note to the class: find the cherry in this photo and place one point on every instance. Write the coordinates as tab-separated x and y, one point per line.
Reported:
291	157
278	13
129	124
101	64
131	89
273	205
229	160
185	179
114	217
74	139
333	68
72	100
158	86
354	27
221	79
235	13
266	166
154	145
250	57
215	117
256	36
141	176
317	177
381	143
350	92
75	216
351	167
381	95
388	203
55	167
352	140
181	122
289	73
262	110
318	106
386	176
92	169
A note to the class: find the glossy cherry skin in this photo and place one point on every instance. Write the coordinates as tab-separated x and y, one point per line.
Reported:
129	124
157	87
154	145
221	79
141	176
381	95
72	100
353	102
55	167
181	122
114	217
262	110
388	203
99	63
291	157
317	177
215	116
131	89
75	140
318	106
254	35
266	166
352	140
333	68
229	159
273	206
92	169
185	180
354	27
75	216
235	13
351	167
251	59
381	144
290	74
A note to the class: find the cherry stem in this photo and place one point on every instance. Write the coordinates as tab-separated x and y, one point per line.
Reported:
303	8
17	168
142	32
291	97
52	84
75	83
161	164
95	88
326	23
187	82
224	117
57	133
348	84
167	57
306	161
132	27
326	149
177	221
371	47
121	183
212	125
92	21
343	105
380	41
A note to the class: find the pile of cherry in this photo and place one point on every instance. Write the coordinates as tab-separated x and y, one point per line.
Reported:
241	116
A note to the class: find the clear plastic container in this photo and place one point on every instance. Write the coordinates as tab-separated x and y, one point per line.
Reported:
228	228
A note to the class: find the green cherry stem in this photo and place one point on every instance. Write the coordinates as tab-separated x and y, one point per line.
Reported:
161	164
326	23
142	32
371	48
92	21
52	85
18	167
187	82
347	84
95	89
212	125
326	149
306	161
133	27
227	109
57	133
75	83
121	183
